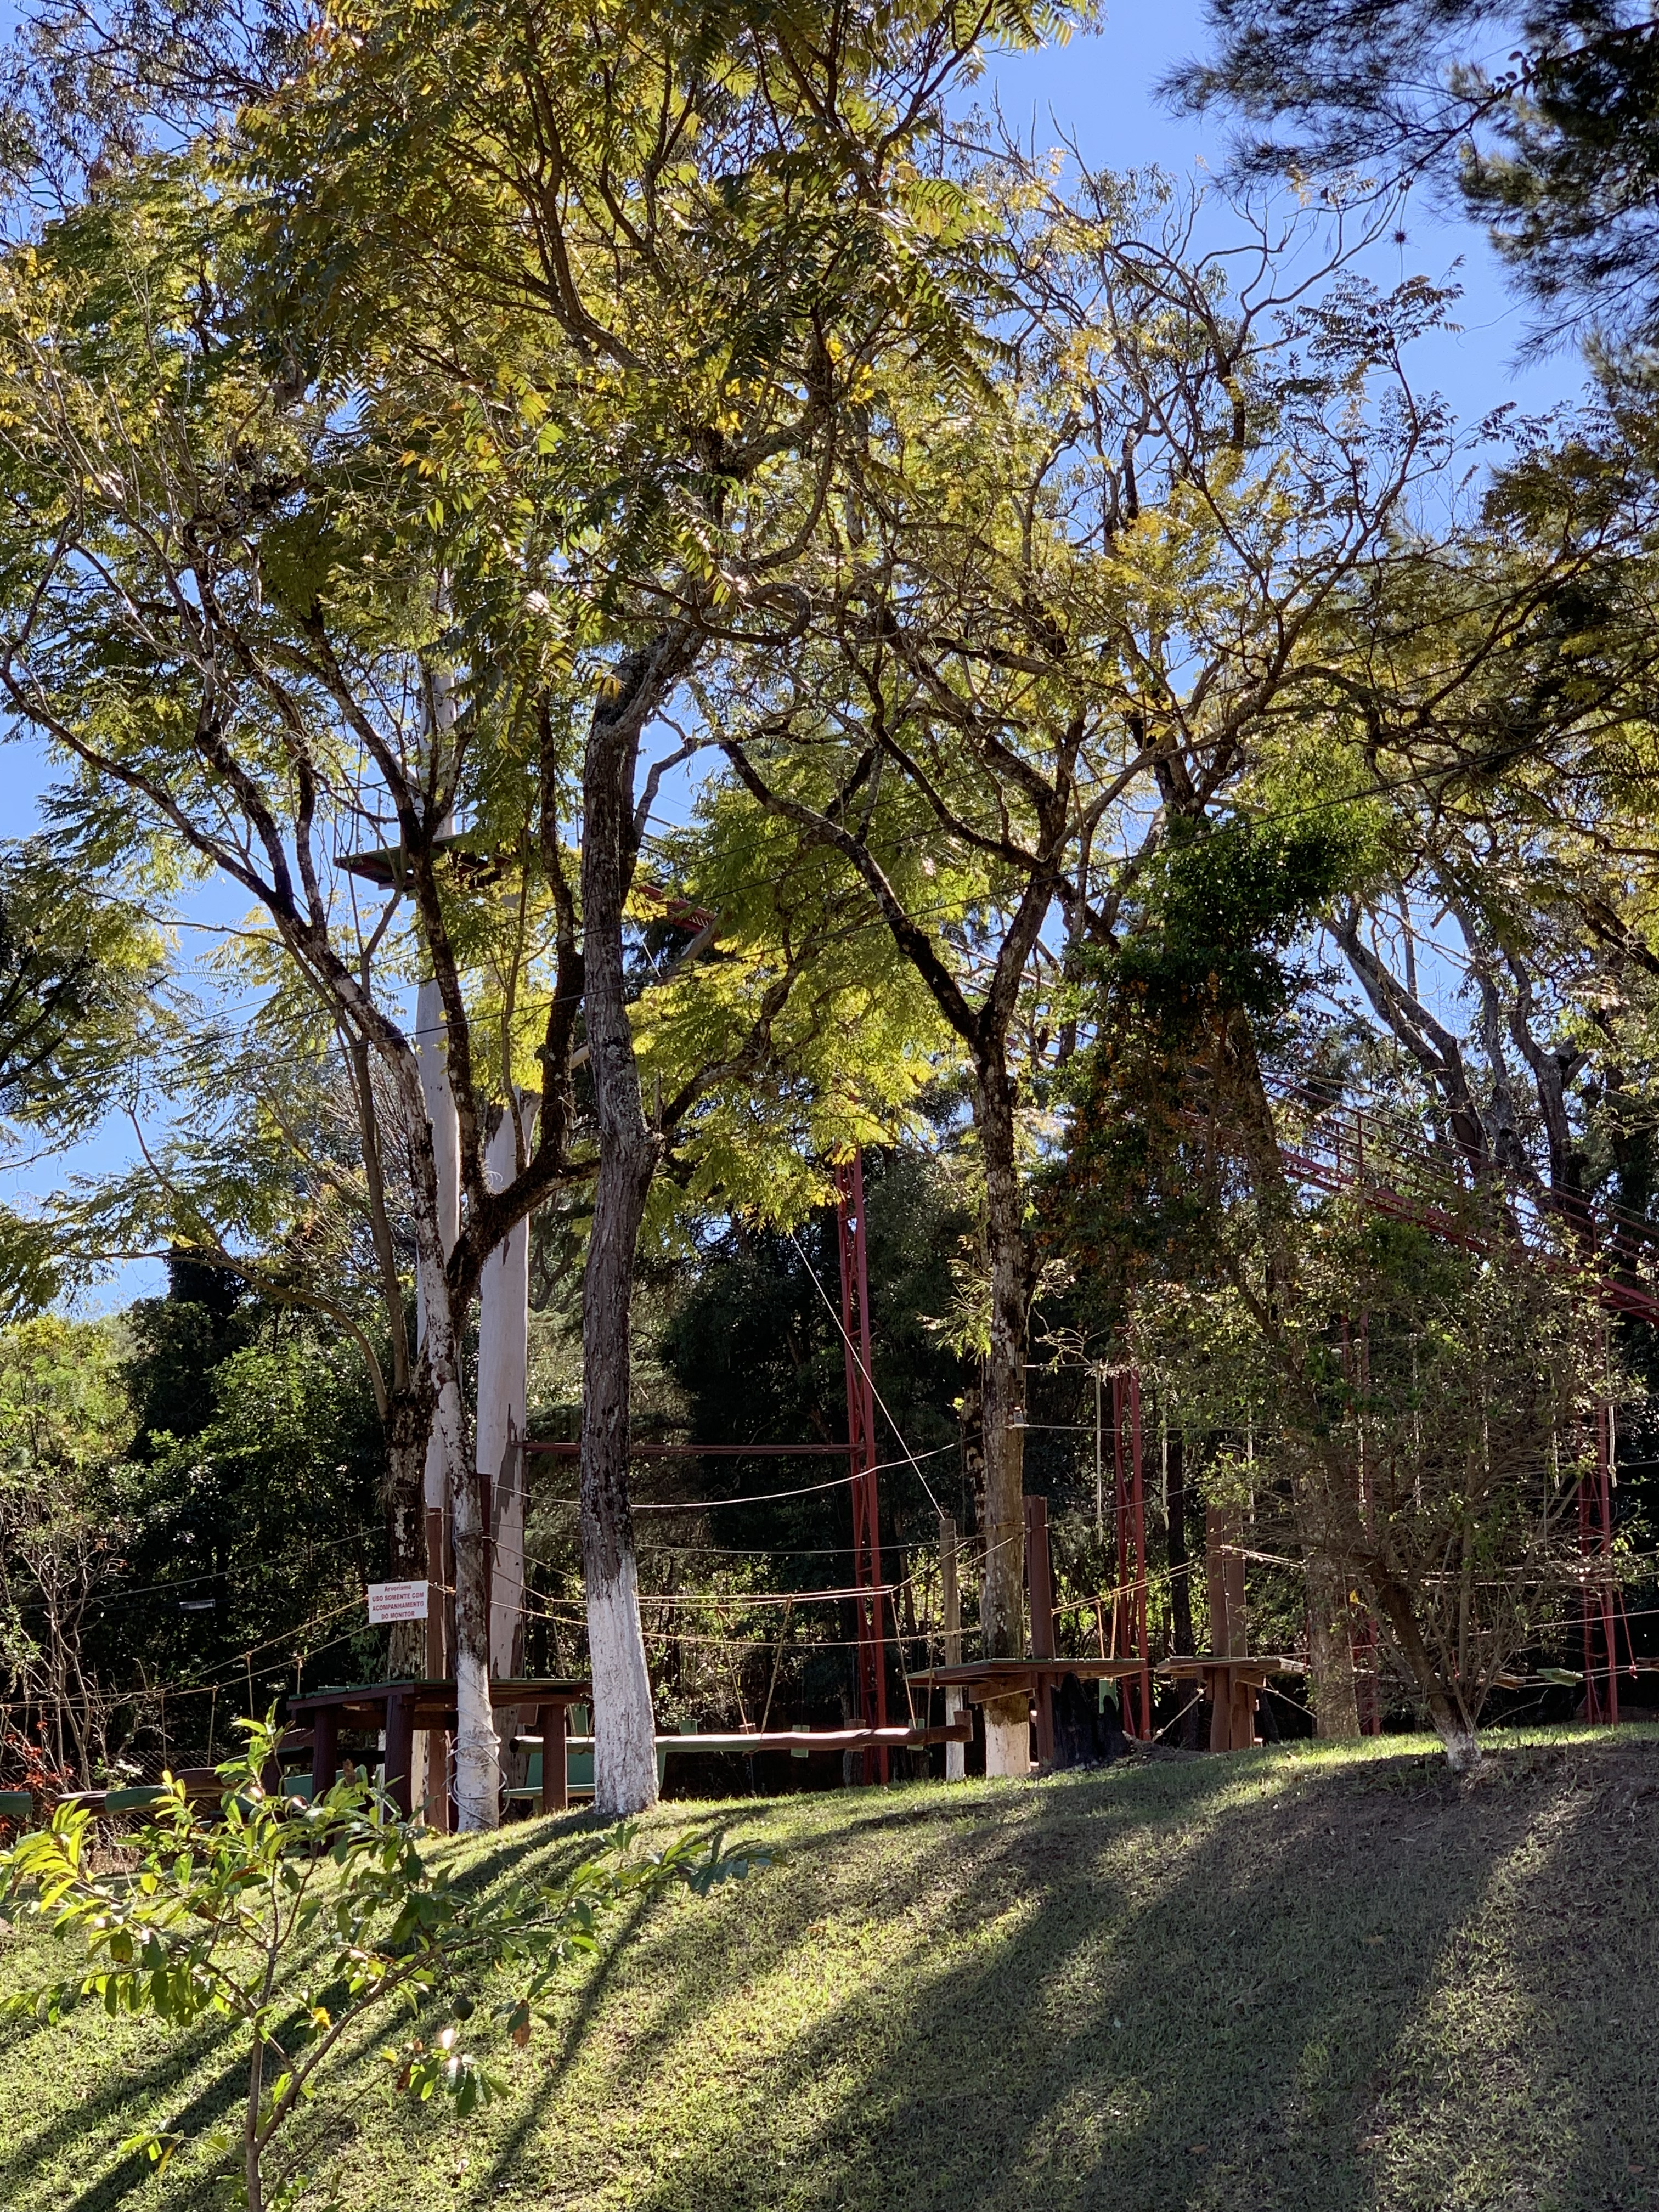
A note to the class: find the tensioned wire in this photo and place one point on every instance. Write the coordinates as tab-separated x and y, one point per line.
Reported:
201	1685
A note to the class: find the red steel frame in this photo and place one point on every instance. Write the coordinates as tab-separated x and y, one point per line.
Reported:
1129	1600
861	1446
1596	1540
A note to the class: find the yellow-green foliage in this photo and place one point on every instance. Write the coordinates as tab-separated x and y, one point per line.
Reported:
63	1406
848	1050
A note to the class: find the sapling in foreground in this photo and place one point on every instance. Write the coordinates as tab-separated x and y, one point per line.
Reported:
295	1922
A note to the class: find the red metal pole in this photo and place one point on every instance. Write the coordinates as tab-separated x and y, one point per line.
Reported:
861	1441
1120	1630
1586	1607
1138	1530
1604	1501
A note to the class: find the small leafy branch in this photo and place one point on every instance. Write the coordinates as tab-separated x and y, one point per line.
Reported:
230	1903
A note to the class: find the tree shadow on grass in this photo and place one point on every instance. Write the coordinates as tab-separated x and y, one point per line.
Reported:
31	2168
1194	1998
1268	1981
1530	2078
166	2088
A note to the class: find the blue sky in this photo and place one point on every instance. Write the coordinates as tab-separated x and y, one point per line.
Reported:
1097	93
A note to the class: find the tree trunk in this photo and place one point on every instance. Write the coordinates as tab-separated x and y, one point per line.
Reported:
1452	1723
1463	1749
624	1725
1330	1656
1330	1652
451	1485
1002	1606
252	2179
503	1380
478	1746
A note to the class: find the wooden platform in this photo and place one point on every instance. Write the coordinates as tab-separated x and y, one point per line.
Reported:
403	1708
850	1738
986	1679
1231	1681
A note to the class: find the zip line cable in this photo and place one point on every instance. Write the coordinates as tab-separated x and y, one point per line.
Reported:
841	1327
766	1497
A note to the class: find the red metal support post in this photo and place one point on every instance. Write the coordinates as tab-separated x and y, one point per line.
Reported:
1120	1630
1138	1537
861	1442
1596	1540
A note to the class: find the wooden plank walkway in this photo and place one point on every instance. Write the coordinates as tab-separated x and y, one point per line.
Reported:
849	1739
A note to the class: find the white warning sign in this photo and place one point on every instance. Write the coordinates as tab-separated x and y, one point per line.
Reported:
397	1601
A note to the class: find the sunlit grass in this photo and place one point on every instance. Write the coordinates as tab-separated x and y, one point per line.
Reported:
1307	1977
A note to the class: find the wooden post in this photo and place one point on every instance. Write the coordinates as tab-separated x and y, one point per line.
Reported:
554	1728
1181	1601
1232	1568
1221	1720
1232	1709
1040	1583
1224	1565
325	1750
436	1763
400	1748
956	1764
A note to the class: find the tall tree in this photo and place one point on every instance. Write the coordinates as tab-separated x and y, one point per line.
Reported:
1065	614
201	631
643	262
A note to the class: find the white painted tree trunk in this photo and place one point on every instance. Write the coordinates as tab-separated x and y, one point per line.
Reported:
503	1389
427	1786
450	1479
624	1744
1462	1750
1007	1746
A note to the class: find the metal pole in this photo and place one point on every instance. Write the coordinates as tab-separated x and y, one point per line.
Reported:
1138	1532
1604	1545
1120	1633
1100	1480
861	1442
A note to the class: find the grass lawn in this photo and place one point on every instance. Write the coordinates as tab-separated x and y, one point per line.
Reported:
1295	1977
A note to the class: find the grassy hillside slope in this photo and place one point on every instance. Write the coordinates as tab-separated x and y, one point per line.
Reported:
1291	1979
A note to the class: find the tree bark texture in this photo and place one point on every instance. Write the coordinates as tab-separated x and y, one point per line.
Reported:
624	1725
452	1486
1002	1595
409	1424
503	1382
